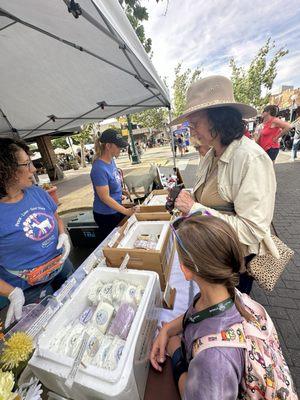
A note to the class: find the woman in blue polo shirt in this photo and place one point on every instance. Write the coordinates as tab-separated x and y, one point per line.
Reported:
108	209
33	245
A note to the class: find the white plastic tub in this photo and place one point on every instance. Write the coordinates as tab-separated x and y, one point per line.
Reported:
128	380
146	227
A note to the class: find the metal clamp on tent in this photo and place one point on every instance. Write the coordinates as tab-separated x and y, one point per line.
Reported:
74	9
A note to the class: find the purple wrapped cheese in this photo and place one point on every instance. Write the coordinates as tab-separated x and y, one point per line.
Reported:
121	324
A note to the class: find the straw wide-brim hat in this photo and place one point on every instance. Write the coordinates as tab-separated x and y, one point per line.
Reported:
212	92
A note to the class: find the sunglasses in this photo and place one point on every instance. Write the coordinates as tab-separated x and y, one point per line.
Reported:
175	225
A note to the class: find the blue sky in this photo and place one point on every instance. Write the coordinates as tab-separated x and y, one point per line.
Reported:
208	33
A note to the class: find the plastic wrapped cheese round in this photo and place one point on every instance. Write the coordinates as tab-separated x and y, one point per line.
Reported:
114	354
100	358
118	290
74	341
94	292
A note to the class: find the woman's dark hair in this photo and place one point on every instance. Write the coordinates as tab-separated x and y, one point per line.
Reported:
272	110
8	160
227	123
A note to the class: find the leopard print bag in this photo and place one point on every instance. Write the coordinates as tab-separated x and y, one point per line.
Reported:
266	269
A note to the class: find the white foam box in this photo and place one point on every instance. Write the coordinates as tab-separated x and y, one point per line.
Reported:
159	261
128	380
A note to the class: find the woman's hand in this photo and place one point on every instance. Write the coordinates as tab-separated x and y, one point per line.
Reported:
184	202
17	300
173	344
158	352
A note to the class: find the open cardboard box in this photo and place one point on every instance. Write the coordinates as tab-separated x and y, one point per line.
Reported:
159	261
148	208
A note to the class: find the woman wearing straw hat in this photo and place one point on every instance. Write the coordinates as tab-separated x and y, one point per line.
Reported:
236	180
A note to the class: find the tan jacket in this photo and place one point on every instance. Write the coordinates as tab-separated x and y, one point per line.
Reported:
246	178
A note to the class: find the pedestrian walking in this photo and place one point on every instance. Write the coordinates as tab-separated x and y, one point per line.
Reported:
271	131
129	153
296	138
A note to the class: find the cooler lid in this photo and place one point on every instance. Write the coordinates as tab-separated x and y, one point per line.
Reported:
85	218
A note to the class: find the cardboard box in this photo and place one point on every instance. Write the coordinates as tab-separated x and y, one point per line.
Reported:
157	208
159	261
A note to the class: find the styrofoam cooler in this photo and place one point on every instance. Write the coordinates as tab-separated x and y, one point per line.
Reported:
128	380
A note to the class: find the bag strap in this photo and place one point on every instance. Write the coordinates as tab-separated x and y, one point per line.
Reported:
230	337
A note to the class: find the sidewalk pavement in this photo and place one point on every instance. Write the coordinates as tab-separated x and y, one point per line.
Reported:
283	304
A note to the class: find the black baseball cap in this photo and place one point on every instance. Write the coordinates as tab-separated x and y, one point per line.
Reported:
112	136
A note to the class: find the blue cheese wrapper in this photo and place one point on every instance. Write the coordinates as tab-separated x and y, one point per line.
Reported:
139	294
93	345
105	293
75	338
100	359
115	353
129	295
103	316
86	316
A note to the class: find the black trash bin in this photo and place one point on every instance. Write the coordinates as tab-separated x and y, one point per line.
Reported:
84	231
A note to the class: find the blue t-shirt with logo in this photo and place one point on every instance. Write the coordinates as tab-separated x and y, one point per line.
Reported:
28	234
103	174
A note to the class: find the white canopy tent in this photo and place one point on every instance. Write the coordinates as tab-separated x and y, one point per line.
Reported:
58	72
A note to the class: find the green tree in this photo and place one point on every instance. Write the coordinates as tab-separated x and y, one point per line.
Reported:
182	81
151	118
250	83
60	142
136	15
83	137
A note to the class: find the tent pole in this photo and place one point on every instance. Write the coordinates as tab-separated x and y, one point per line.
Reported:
135	157
172	139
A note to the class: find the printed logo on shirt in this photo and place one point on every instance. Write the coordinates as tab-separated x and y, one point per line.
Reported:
117	176
38	225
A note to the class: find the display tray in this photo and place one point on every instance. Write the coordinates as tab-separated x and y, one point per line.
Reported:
92	382
159	261
158	229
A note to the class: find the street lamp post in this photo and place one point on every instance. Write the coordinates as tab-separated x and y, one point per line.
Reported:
135	157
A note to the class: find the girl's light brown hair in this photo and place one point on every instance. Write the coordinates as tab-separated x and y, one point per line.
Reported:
215	250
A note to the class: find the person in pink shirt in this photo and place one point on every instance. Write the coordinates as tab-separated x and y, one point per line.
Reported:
270	132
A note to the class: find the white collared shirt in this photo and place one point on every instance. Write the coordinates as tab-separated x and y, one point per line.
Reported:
246	178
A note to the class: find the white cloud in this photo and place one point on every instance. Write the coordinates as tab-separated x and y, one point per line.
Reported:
208	33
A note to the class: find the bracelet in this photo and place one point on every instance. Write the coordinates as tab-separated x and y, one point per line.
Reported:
179	364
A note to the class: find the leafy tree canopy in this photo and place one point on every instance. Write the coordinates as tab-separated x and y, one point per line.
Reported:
136	15
182	81
250	83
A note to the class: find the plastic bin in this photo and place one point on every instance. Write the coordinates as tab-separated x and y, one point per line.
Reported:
83	230
128	380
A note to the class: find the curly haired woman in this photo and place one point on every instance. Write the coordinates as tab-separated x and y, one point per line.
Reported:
33	245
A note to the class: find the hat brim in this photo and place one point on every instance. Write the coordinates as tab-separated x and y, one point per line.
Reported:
244	109
121	143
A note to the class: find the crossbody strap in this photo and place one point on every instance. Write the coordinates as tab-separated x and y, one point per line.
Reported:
230	337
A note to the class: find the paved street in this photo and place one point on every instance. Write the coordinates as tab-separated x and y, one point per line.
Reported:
283	303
